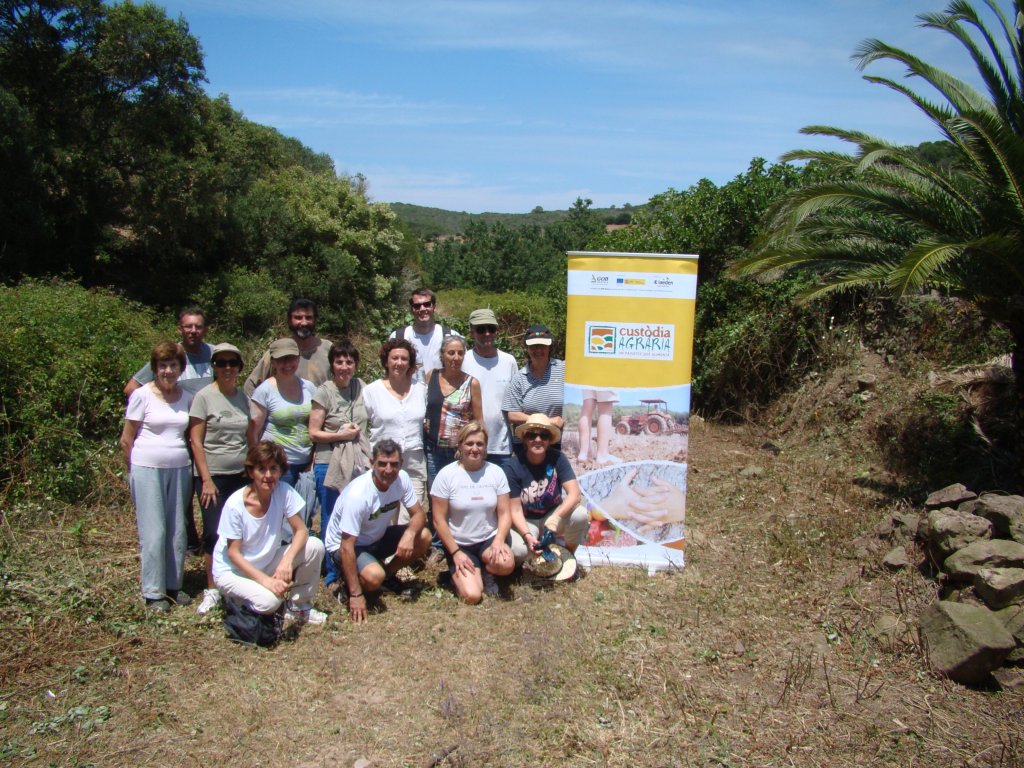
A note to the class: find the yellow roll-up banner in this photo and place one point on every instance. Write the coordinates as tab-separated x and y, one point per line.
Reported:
628	361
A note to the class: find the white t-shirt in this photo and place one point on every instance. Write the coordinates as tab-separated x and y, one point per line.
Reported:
160	439
428	348
261	537
364	511
472	500
400	420
494	375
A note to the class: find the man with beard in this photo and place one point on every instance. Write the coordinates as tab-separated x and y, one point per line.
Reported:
313	362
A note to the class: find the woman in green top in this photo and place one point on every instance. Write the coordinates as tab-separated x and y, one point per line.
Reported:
219	419
337	416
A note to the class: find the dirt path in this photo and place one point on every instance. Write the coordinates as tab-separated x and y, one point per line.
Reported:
761	652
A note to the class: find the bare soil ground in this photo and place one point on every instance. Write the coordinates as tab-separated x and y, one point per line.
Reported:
759	653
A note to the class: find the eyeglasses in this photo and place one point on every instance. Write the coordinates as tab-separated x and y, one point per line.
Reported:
420	304
234	362
536	436
485	329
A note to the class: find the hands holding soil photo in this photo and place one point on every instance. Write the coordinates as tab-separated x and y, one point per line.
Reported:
645	499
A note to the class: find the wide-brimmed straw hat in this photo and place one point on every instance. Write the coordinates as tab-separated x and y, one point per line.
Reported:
562	568
539	421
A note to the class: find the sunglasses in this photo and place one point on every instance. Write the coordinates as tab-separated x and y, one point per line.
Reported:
420	304
536	436
234	362
485	328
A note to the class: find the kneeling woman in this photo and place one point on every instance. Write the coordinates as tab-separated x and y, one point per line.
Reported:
470	503
250	563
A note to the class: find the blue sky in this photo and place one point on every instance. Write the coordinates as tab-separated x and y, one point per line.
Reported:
503	105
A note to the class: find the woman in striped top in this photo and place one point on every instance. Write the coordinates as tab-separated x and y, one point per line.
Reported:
539	385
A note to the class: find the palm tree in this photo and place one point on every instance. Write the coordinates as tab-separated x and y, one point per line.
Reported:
888	217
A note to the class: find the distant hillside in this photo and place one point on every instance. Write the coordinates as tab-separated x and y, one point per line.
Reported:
431	223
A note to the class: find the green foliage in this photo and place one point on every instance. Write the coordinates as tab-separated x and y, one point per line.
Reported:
515	310
436	223
242	301
944	331
716	223
104	98
67	354
906	219
497	257
121	171
751	343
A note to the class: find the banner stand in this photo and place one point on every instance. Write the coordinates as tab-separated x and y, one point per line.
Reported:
629	351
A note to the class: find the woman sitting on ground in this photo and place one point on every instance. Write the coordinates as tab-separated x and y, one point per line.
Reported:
453	400
160	476
250	563
219	418
470	503
543	489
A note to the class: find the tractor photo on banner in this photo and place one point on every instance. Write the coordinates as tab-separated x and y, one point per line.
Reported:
628	356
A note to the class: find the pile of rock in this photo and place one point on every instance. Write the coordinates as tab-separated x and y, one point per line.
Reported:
976	546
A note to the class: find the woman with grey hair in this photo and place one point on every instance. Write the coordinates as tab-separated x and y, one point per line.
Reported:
453	400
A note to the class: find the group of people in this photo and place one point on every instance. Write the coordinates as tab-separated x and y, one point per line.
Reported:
455	447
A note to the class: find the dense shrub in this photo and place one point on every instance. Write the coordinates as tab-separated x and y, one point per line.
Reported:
515	311
751	343
67	354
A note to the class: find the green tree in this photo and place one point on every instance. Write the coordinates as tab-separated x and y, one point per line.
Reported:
903	220
714	222
103	100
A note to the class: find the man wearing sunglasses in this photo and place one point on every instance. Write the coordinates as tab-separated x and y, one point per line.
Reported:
197	373
425	334
494	369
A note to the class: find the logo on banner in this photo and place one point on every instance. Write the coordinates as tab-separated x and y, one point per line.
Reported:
631	341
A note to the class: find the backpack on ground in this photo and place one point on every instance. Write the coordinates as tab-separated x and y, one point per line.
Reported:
247	627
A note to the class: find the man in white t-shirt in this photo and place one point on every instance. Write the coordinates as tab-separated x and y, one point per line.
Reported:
494	369
425	334
364	529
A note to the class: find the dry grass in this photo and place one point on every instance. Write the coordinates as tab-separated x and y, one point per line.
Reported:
759	653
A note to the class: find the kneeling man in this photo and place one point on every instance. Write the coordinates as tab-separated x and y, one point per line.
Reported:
363	532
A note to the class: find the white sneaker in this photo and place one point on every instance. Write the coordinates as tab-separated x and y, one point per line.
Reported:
305	616
211	599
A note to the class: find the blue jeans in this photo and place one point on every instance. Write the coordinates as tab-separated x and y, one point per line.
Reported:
438	458
327	497
291	475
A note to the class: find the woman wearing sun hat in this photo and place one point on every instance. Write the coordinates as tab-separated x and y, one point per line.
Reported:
543	490
219	419
539	385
